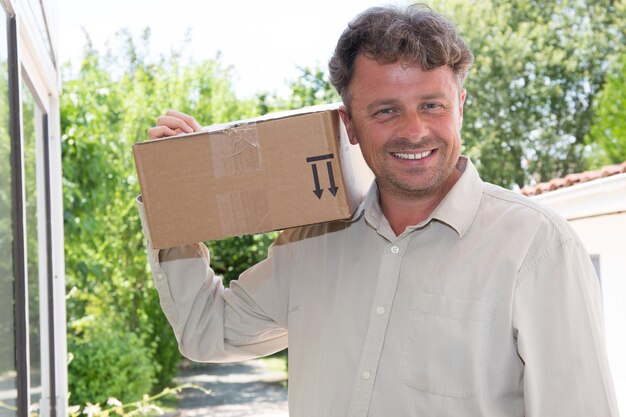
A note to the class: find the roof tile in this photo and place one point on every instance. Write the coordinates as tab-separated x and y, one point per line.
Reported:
573	179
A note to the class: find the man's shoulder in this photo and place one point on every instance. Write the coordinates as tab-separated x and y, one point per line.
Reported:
316	233
518	210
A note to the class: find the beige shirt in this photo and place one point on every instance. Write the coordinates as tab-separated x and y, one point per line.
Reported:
489	308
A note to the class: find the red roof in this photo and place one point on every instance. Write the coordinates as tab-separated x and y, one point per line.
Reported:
572	179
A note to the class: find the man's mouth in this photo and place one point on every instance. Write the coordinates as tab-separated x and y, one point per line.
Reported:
411	156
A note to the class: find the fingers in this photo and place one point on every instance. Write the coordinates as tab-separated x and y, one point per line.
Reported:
161	132
173	123
189	121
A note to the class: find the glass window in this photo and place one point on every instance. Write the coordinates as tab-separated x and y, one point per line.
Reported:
36	265
595	260
8	374
36	11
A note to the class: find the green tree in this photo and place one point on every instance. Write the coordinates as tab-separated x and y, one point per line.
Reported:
539	65
310	88
106	106
607	137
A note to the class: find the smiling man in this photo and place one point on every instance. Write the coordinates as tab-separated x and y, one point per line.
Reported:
407	122
443	296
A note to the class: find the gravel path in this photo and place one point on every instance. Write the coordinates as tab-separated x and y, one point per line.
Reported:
246	389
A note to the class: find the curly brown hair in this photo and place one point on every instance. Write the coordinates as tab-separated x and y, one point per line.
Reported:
415	34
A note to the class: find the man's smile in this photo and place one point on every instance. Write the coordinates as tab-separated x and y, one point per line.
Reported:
412	156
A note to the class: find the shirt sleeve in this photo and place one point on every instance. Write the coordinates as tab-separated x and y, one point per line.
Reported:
557	316
216	324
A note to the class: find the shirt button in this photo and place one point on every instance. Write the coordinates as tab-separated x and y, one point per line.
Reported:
395	249
380	311
366	374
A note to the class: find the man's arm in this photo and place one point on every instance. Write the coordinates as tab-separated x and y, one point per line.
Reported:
217	324
557	315
213	323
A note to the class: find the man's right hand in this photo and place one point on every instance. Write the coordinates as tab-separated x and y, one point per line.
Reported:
173	123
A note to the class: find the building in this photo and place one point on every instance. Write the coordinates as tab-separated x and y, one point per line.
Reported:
33	371
594	203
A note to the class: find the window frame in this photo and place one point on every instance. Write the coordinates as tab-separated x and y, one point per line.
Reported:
19	240
28	64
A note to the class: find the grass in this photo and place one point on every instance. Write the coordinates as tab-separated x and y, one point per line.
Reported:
278	363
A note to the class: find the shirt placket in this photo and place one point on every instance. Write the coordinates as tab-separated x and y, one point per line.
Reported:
388	275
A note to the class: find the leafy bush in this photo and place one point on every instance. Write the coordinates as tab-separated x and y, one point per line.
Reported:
607	136
113	364
230	257
106	107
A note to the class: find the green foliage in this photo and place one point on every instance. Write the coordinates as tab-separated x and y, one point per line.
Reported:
112	363
106	107
312	87
230	257
538	68
146	406
607	136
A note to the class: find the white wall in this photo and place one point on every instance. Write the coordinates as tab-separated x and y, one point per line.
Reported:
606	236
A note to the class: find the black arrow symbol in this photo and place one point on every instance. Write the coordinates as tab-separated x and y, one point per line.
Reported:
318	190
331	177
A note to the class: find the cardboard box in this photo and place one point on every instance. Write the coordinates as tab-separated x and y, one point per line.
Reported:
274	172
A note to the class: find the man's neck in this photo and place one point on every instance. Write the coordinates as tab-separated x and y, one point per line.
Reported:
401	213
404	212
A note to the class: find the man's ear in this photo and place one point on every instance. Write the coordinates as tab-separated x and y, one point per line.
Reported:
462	95
344	113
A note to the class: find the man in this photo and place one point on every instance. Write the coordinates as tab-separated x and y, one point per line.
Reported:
443	296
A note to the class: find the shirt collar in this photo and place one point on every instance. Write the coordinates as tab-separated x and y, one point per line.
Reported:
370	207
457	209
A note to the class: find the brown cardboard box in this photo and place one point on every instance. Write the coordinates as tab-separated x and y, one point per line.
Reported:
275	172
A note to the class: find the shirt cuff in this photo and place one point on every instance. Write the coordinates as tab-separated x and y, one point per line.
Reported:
153	254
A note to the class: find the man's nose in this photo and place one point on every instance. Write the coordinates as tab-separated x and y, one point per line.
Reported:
413	127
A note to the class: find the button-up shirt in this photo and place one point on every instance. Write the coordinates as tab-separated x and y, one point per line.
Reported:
488	308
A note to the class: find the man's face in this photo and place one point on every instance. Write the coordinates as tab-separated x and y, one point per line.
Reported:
407	123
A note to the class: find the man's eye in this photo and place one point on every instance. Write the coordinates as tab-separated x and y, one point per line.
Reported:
384	112
432	106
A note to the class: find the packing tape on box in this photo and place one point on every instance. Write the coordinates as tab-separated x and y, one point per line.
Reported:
242	211
235	150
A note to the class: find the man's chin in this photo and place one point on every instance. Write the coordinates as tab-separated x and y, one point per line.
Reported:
410	188
415	191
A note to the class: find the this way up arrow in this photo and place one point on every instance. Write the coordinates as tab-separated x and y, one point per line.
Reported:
331	177
318	190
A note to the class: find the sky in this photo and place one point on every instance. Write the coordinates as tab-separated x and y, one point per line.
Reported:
265	40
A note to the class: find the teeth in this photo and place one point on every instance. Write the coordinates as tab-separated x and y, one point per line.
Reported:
412	155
